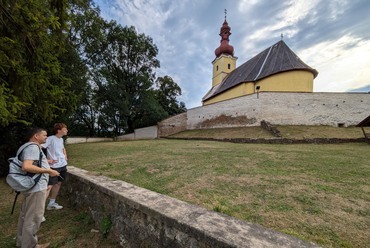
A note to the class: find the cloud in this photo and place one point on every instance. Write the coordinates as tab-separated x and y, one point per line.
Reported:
330	36
334	59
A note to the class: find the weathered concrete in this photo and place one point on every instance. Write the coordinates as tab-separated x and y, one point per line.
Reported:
142	218
76	140
172	125
284	108
277	108
141	133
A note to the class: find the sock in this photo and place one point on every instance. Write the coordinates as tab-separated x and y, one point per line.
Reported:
51	201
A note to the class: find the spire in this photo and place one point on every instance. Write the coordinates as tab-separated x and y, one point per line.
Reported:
225	48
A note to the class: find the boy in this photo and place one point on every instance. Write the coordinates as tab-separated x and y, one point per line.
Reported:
57	158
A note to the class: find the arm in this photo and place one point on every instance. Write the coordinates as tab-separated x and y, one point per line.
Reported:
29	167
65	153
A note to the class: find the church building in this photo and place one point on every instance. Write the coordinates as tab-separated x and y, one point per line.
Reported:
276	69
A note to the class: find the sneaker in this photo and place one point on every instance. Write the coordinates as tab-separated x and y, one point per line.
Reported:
43	245
43	219
54	206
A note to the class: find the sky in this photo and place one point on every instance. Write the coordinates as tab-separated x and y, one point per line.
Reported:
331	36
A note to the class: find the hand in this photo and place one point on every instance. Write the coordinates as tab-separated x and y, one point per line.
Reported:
53	173
50	161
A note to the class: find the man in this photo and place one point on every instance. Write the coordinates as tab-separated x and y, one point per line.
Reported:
57	158
33	205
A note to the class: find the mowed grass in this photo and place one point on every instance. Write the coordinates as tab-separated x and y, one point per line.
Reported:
319	193
67	228
289	132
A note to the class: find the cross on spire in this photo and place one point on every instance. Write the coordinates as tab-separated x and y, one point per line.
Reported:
282	36
225	13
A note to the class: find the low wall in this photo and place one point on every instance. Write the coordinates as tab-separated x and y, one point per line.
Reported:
142	218
172	125
283	108
141	133
76	140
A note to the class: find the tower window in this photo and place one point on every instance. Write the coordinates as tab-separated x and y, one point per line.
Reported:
228	66
216	68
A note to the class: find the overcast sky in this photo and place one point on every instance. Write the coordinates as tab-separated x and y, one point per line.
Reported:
332	36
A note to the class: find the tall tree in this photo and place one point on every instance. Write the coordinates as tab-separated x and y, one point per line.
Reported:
32	88
127	61
82	43
166	93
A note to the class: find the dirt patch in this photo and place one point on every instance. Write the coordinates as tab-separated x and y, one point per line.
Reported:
227	120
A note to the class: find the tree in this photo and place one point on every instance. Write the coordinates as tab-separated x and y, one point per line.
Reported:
125	75
83	40
33	88
166	93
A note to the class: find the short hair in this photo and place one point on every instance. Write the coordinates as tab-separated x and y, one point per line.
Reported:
58	126
30	132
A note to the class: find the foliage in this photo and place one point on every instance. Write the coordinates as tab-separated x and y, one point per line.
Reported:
33	88
126	62
29	66
167	94
120	64
61	61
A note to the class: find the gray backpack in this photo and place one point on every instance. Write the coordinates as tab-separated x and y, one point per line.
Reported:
21	180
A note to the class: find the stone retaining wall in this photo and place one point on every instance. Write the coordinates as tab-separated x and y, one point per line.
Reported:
141	133
77	140
172	125
141	218
283	108
277	108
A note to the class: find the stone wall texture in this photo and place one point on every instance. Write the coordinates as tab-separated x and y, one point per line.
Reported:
172	125
137	217
76	140
283	108
141	133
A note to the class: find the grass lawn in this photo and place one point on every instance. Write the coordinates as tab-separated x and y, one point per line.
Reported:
290	132
67	228
316	192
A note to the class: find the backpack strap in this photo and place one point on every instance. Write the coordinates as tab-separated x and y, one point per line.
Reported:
20	153
15	200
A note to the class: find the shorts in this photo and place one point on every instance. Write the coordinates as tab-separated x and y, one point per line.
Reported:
62	173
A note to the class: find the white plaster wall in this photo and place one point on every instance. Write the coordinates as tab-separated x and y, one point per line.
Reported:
76	140
146	133
130	136
287	109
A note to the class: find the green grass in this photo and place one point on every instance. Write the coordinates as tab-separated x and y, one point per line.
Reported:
289	132
315	192
66	228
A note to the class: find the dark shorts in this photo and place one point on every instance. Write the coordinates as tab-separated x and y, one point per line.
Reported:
62	171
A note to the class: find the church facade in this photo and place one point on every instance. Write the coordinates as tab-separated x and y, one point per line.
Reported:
276	69
274	86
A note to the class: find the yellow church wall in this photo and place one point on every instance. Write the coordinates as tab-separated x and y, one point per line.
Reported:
221	68
240	90
291	81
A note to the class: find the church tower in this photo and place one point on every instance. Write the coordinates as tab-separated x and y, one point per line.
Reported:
225	62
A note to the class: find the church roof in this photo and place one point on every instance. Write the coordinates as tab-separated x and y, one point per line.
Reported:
275	59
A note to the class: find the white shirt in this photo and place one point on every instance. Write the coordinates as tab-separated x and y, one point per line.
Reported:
55	148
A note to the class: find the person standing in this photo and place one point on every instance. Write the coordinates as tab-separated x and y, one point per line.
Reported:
33	204
57	158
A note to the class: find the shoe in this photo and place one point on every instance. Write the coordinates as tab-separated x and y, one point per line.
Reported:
43	219
54	206
43	245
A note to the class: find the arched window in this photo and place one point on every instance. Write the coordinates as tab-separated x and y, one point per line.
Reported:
228	66
216	68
